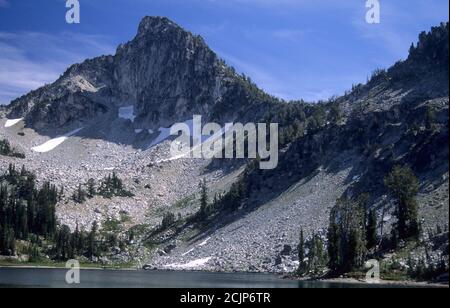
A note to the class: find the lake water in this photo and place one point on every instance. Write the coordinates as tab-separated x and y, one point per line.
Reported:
55	278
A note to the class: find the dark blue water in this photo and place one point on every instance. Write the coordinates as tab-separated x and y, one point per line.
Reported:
55	278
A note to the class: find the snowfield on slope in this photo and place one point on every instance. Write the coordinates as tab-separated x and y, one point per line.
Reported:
54	143
12	122
196	264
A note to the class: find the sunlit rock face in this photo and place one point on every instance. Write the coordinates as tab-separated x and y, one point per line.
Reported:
168	72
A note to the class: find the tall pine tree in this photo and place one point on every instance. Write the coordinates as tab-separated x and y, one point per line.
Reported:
404	186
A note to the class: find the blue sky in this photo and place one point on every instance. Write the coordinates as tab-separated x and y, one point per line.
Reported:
310	49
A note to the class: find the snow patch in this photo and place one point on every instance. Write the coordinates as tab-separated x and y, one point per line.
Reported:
138	131
53	143
190	265
188	252
199	245
204	242
12	122
172	158
127	113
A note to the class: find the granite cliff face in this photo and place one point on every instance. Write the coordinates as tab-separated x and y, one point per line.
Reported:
168	73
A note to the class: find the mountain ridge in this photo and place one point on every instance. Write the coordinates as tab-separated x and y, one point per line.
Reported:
164	68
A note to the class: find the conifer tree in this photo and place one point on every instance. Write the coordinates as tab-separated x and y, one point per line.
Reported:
204	205
79	195
404	186
371	229
91	191
346	235
334	243
92	241
168	220
316	256
302	267
64	249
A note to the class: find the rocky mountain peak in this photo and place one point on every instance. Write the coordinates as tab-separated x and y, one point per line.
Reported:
159	30
163	69
156	24
166	68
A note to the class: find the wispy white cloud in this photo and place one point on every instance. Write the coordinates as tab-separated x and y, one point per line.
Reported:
29	60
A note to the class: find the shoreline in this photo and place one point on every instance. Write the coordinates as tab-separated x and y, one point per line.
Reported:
61	266
393	283
400	283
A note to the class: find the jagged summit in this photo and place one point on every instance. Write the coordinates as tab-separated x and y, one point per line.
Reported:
155	24
156	29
